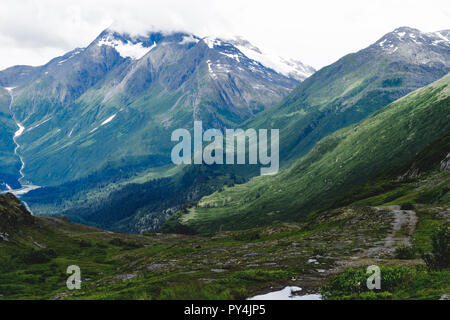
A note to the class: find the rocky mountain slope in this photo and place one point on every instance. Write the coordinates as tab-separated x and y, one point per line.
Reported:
120	98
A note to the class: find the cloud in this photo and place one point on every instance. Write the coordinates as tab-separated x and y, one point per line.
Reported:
316	32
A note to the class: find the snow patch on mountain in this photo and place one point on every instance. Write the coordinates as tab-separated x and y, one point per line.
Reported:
211	72
212	42
126	49
286	67
109	119
39	124
404	37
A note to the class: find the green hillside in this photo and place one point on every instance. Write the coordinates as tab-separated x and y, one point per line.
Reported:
352	88
350	157
315	254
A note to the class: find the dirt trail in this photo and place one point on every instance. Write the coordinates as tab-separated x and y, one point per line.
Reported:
403	227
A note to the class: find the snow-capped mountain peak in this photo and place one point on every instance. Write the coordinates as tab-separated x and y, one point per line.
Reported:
288	67
405	36
238	49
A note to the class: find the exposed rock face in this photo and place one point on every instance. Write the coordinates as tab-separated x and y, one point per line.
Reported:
12	213
445	164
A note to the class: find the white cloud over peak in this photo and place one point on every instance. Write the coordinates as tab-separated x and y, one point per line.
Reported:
315	32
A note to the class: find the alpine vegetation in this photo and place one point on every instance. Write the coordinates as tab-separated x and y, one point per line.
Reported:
213	153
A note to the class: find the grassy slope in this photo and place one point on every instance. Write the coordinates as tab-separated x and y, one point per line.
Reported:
348	158
227	265
239	264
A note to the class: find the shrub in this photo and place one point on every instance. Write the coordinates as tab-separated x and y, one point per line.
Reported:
127	245
319	251
247	236
439	258
84	244
352	283
404	252
38	256
371	295
407	206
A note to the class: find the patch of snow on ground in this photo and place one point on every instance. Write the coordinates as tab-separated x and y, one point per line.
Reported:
287	294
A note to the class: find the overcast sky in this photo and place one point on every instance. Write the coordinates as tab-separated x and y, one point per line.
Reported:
317	32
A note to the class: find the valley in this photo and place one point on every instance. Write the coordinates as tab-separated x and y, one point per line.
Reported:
227	265
133	148
87	176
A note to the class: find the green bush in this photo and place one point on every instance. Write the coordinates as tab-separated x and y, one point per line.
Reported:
352	283
84	244
38	256
439	258
404	252
371	295
247	236
431	196
126	245
407	206
195	291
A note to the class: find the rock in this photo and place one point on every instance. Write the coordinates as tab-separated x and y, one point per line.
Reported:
59	295
126	277
445	297
443	215
445	164
4	236
218	270
156	266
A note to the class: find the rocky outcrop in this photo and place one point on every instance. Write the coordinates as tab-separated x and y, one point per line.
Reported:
445	164
13	214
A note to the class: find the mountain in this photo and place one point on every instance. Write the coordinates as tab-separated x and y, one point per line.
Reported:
356	86
120	98
344	160
126	196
